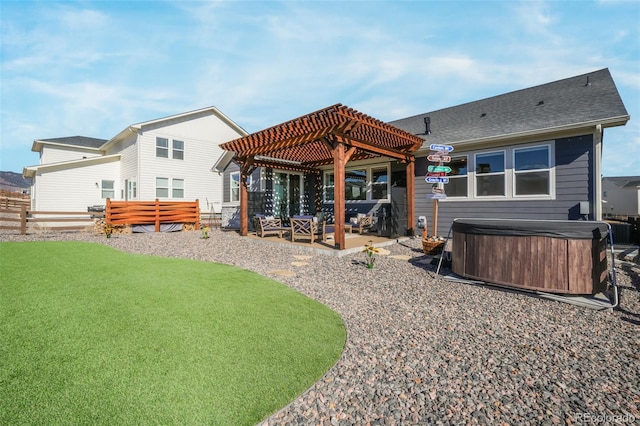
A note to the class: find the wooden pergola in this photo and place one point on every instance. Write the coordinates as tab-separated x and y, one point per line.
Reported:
333	135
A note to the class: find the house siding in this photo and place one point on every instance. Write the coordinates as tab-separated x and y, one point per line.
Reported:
574	182
56	154
74	189
201	136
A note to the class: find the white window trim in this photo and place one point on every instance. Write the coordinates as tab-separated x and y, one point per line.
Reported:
174	149
368	170
231	181
158	138
503	173
168	187
173	188
509	175
458	197
551	170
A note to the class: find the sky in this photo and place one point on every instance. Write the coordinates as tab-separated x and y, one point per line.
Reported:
92	68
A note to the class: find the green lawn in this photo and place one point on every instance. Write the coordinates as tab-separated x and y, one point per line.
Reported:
91	335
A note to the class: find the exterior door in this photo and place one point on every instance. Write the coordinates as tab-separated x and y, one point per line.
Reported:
287	193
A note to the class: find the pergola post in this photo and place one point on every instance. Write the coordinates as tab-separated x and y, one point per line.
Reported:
246	168
410	195
338	195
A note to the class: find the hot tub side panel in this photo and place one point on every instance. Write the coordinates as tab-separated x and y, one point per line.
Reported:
533	262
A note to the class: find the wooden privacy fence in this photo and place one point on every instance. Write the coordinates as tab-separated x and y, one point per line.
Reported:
152	212
19	220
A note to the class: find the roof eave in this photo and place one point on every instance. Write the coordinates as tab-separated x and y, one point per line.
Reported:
30	171
610	122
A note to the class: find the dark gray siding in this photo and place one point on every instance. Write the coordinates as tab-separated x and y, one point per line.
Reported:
574	159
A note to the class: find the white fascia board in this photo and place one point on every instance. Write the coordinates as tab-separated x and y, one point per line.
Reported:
30	171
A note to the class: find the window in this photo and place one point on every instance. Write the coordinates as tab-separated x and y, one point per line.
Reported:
531	171
490	176
235	185
360	184
162	187
177	188
458	181
178	150
132	190
379	183
355	185
162	147
108	189
329	185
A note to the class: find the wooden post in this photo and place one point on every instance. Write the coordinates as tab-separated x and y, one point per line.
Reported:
157	215
197	214
338	195
410	196
23	220
434	219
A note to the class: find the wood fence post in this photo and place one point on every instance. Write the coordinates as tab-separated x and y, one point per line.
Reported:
107	212
197	214
157	215
23	220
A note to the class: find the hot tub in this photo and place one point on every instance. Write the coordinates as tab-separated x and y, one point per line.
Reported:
565	257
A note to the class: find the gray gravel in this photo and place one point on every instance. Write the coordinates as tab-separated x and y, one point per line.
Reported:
421	350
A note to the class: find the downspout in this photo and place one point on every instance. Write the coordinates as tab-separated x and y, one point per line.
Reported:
597	154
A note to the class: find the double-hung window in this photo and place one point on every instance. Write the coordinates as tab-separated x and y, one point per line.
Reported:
532	173
178	150
108	189
234	178
162	187
490	174
458	180
355	184
162	147
177	188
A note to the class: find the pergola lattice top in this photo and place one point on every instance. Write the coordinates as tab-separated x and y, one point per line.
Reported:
305	143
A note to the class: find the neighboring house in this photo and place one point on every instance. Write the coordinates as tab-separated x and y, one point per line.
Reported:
169	158
530	154
621	196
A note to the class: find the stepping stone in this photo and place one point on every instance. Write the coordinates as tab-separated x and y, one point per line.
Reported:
400	257
299	263
282	272
301	257
383	252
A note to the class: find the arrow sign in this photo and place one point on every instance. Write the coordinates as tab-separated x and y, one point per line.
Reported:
437	179
436	147
436	174
437	157
445	169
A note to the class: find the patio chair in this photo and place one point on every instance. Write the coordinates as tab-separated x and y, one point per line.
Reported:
304	227
268	226
361	224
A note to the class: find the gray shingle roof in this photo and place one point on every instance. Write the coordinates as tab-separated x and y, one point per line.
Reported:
81	141
583	98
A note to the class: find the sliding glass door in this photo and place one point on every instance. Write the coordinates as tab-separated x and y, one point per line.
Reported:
287	195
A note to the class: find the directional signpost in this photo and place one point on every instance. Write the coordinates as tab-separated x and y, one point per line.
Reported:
445	169
439	158
437	176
